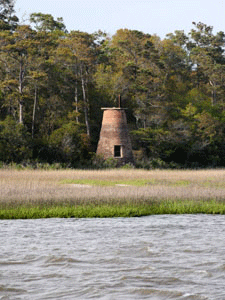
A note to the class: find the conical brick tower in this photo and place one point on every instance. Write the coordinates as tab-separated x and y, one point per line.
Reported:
114	138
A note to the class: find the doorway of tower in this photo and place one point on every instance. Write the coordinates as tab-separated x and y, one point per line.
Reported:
117	151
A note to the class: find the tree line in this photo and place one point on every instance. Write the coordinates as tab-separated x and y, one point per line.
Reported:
53	84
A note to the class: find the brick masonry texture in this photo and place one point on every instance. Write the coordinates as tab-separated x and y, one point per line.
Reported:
114	132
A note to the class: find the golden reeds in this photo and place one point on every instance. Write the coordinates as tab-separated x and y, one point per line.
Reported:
37	186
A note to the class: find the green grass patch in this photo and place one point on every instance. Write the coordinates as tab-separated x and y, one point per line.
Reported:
214	184
142	182
97	182
111	210
131	182
181	183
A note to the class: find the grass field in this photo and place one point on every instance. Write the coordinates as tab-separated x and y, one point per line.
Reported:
109	193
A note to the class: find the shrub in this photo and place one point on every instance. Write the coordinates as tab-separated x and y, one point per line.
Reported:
15	142
69	144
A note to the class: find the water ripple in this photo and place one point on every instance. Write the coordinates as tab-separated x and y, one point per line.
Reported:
155	257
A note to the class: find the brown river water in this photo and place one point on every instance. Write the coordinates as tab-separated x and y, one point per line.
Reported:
154	257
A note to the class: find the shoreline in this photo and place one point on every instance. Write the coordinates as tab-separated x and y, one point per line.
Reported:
111	210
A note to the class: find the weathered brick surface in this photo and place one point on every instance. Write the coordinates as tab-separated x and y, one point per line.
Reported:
114	131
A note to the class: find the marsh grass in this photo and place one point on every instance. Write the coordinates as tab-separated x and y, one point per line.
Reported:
109	193
110	211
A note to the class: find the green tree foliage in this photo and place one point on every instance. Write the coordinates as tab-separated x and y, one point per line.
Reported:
8	20
69	144
77	52
17	52
53	84
207	53
46	22
15	143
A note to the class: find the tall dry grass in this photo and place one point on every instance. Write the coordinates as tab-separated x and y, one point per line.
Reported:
42	187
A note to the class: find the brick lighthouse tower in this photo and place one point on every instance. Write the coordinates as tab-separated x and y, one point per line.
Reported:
114	138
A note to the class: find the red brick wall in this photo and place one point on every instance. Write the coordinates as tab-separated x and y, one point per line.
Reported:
114	131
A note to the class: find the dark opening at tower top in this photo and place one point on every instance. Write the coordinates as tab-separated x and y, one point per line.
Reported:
114	138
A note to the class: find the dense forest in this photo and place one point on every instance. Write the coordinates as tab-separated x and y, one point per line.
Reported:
53	84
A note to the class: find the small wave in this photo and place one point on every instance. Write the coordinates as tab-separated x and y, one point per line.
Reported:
188	296
163	294
61	260
13	262
4	288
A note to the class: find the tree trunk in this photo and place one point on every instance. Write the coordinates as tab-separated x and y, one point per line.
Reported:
21	77
85	106
21	112
76	101
213	101
34	111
